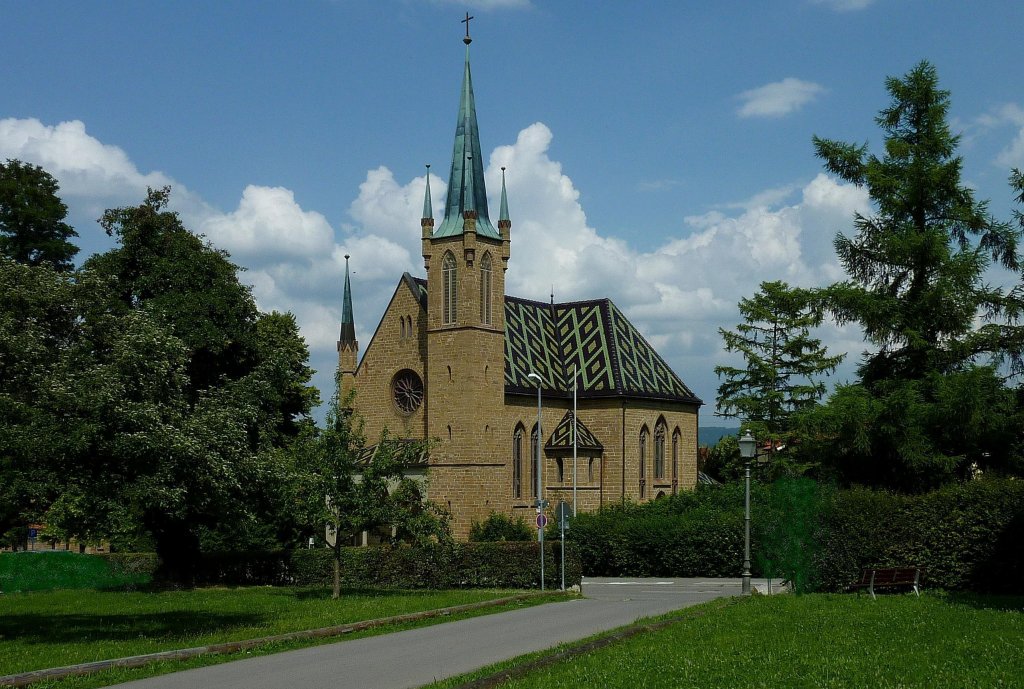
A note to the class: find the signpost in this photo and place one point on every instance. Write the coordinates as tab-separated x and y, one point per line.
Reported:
563	512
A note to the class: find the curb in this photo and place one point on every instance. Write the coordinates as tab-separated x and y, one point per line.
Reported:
607	639
26	678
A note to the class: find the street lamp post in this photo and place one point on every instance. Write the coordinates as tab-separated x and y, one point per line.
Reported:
575	378
540	484
748	447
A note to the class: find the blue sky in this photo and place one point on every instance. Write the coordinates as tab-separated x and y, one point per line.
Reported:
658	152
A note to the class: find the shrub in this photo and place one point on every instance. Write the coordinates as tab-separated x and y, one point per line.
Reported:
439	566
965	536
968	536
45	570
501	527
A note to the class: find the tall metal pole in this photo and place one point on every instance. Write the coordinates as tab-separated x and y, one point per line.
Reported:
745	587
540	482
540	486
575	373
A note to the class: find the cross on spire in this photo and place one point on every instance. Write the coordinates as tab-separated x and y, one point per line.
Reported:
467	40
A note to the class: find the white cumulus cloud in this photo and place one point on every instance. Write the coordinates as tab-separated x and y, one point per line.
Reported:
778	98
678	293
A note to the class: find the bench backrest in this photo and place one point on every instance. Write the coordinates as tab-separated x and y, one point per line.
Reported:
890	575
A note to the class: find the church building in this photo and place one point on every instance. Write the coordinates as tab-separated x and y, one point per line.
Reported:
457	361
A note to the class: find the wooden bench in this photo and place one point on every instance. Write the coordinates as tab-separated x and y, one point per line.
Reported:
888	577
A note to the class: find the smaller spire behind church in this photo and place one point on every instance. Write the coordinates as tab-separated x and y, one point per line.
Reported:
347	338
428	206
503	219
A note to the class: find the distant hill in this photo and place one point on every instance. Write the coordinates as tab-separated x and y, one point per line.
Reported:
709	435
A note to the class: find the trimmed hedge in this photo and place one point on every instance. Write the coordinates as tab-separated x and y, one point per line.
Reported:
449	566
45	570
967	536
695	534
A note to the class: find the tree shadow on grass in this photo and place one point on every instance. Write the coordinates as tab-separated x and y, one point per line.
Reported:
325	593
984	601
45	628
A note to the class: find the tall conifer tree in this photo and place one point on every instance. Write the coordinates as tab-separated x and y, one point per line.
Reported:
784	364
930	405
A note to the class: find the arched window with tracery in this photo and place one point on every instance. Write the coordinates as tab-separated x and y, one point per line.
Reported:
517	462
485	289
675	460
644	438
659	449
450	291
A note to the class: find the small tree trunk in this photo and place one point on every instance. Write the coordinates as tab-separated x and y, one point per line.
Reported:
337	569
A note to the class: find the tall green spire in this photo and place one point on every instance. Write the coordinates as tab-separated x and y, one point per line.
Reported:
466	189
348	325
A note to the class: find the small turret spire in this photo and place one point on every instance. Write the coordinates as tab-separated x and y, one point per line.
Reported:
428	208
503	218
348	326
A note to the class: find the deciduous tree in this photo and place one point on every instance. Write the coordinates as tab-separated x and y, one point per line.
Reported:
32	227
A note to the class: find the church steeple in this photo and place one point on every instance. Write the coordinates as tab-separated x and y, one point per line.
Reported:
466	188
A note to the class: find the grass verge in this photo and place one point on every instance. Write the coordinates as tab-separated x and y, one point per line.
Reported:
832	641
59	628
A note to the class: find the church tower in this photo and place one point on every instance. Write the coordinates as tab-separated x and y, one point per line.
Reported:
348	348
465	259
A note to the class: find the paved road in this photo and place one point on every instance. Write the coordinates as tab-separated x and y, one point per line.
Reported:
420	656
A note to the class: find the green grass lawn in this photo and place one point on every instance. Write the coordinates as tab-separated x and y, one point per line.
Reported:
58	628
827	641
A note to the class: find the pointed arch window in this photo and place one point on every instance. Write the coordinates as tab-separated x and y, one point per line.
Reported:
517	462
675	460
450	289
485	289
644	441
659	449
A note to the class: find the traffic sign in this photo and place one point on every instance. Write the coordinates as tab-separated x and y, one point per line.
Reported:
542	521
563	513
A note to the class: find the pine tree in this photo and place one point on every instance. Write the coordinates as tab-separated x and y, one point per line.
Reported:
916	264
930	404
784	363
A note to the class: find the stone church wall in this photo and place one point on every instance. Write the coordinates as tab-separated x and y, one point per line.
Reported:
394	347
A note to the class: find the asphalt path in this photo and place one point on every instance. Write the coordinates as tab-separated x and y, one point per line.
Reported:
417	657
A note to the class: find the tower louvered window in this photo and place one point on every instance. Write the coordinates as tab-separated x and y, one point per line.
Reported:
485	289
450	291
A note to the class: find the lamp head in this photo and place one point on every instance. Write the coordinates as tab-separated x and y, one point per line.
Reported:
748	446
535	377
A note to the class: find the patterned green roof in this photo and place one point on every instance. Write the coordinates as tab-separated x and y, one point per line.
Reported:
613	358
